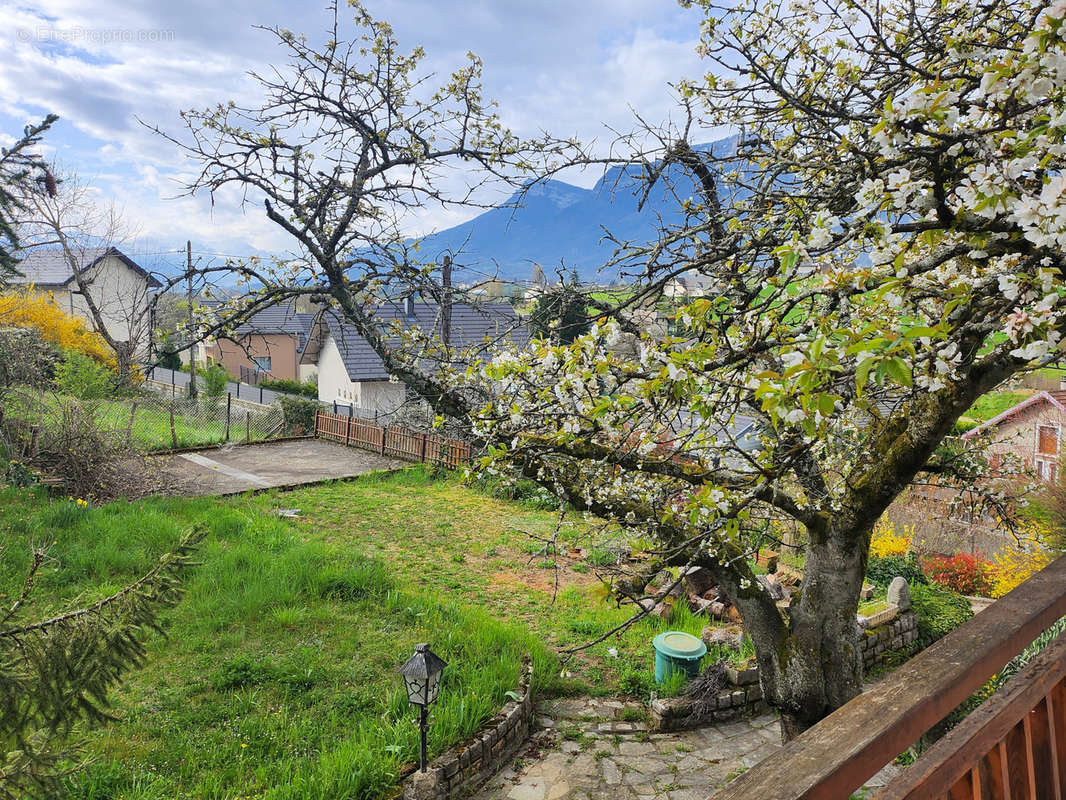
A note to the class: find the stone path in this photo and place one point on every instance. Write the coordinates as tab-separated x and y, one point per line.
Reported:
595	749
591	749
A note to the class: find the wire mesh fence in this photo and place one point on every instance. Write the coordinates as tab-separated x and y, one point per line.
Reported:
152	422
158	423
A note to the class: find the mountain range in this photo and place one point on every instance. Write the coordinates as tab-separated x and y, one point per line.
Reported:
561	227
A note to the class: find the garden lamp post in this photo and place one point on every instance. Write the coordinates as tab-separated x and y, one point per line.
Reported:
421	676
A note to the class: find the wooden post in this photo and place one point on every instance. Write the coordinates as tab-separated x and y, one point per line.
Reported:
173	435
247	426
446	302
192	320
229	406
129	430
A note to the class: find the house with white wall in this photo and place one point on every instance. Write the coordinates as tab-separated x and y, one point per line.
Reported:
350	372
120	288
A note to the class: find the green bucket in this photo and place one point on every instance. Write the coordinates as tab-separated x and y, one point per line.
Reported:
676	651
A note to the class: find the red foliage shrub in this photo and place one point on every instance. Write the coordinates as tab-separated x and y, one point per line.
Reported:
962	573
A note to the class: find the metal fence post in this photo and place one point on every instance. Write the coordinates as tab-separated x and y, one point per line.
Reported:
229	405
173	434
247	426
260	395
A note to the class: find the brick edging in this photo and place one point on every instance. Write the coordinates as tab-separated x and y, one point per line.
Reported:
463	769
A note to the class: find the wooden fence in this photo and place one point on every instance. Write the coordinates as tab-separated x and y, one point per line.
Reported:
393	440
1013	746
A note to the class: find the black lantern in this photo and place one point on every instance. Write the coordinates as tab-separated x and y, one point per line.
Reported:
421	677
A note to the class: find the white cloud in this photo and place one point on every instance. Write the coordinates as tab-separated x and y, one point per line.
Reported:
567	67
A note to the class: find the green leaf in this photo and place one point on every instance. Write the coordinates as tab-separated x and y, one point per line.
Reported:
920	331
862	372
900	372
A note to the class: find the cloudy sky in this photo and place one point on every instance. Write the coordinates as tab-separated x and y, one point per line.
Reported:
571	67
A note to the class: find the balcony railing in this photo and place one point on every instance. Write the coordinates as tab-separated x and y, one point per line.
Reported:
1012	746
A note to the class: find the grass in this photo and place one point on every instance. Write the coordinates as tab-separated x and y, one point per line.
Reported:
871	607
419	523
277	679
151	422
151	425
994	403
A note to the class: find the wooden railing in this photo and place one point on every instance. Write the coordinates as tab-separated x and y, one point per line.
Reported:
392	440
1013	746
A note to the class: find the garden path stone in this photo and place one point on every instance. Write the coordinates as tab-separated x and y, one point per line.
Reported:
629	763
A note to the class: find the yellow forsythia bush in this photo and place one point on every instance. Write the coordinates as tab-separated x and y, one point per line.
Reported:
24	308
1016	563
887	542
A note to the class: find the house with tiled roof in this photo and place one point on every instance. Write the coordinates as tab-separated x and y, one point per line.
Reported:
120	288
1031	431
268	345
351	373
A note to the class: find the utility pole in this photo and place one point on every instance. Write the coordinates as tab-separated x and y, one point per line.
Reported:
446	310
192	320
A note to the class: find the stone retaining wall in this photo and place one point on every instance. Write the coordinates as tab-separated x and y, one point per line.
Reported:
898	634
464	768
744	697
679	713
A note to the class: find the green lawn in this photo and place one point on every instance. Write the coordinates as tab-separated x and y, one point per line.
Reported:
277	679
194	426
993	404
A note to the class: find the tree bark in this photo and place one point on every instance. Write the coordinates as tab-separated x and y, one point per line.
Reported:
814	665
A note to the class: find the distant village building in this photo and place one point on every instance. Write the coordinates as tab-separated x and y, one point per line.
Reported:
271	345
689	284
1031	431
351	373
120	288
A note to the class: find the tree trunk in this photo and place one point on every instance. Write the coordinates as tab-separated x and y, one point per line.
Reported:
124	363
815	666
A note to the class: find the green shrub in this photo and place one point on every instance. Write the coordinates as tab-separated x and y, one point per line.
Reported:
26	358
881	571
169	359
522	490
215	379
939	611
82	377
637	682
299	414
289	386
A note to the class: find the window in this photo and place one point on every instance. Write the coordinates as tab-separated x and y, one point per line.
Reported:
1045	470
262	363
1047	440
